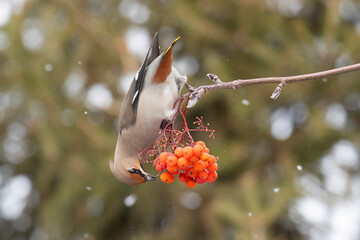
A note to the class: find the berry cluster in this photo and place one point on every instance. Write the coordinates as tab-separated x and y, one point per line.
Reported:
193	164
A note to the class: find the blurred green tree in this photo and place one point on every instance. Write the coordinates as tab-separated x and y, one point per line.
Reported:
285	166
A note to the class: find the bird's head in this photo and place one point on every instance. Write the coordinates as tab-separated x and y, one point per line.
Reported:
131	175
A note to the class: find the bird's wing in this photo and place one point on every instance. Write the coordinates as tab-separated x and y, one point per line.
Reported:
128	111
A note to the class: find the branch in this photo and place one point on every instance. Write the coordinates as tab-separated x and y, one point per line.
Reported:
195	93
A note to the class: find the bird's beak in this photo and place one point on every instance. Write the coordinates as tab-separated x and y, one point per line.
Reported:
145	175
149	177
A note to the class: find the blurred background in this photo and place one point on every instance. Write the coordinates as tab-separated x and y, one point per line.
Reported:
288	168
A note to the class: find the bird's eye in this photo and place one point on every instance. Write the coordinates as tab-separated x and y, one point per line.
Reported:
135	171
132	170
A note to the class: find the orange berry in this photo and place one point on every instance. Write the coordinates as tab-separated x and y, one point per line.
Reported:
204	156
159	168
191	172
172	169
203	175
199	180
179	152
171	160
212	176
182	177
206	150
182	163
201	143
163	156
199	166
190	183
206	164
193	159
167	177
213	167
211	159
198	150
162	164
188	152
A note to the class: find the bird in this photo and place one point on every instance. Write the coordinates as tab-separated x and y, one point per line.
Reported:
147	108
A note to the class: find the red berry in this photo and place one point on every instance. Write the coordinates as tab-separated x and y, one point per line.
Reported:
167	177
199	166
190	183
193	159
182	177
182	163
163	156
188	152
171	160
198	150
159	168
213	167
199	180
212	177
211	159
191	172
179	152
204	156
203	175
172	169
201	143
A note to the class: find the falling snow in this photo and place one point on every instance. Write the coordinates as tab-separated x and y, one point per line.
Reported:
276	190
48	67
245	102
130	200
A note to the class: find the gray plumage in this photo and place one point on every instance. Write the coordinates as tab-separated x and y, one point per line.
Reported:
147	104
128	112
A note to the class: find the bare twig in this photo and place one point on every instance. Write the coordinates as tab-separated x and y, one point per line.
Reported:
189	87
197	92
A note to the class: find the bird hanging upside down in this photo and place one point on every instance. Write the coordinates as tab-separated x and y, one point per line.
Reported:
147	107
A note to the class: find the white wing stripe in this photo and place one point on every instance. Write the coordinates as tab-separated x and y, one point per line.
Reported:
135	95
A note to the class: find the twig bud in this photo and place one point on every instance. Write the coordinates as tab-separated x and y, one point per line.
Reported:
214	78
277	91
